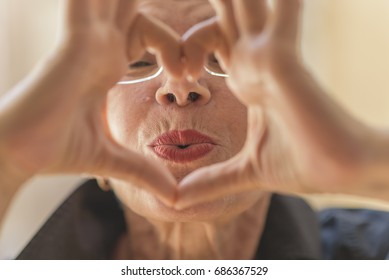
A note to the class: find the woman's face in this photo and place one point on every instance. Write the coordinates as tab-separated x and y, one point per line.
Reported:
208	128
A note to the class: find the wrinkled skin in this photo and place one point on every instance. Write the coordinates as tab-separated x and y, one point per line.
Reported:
138	113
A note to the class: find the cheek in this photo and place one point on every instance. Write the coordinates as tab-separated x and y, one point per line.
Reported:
232	113
125	112
238	123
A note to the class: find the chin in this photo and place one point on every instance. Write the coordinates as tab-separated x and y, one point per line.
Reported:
148	206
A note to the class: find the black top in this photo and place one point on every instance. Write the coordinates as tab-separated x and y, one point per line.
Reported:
87	226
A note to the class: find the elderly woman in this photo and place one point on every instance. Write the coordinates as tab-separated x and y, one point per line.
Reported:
131	96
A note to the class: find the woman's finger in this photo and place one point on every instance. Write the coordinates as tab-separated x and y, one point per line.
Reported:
103	9
76	11
215	182
125	14
198	42
150	34
287	19
123	164
251	15
80	13
225	12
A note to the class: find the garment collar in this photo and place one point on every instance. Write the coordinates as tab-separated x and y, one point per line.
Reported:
88	224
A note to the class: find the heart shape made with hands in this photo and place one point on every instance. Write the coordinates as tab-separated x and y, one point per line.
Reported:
246	37
242	35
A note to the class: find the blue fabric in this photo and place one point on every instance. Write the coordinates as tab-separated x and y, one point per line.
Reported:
354	234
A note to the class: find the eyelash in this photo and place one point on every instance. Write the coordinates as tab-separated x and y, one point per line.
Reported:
143	63
140	64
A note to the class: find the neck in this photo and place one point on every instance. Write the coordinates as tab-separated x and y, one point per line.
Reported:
235	238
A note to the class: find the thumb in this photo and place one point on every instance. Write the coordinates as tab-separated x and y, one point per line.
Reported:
123	164
153	35
216	181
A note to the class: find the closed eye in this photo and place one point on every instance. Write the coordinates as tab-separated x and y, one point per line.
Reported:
140	64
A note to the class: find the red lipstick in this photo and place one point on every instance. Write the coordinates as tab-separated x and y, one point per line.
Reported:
182	146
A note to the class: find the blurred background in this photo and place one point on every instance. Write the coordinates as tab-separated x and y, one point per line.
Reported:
344	43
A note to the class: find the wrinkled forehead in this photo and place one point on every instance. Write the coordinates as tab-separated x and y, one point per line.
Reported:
178	14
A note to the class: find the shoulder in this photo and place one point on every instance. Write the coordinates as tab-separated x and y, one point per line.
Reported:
86	225
354	233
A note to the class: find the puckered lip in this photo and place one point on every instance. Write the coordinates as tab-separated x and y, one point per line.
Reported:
182	145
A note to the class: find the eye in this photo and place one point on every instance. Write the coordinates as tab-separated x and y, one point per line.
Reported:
140	64
212	58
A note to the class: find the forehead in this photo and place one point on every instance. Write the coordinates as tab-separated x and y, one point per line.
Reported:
178	14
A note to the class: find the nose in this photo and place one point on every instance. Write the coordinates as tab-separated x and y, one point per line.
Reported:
183	93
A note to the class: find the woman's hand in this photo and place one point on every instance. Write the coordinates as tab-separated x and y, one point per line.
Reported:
55	121
298	140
